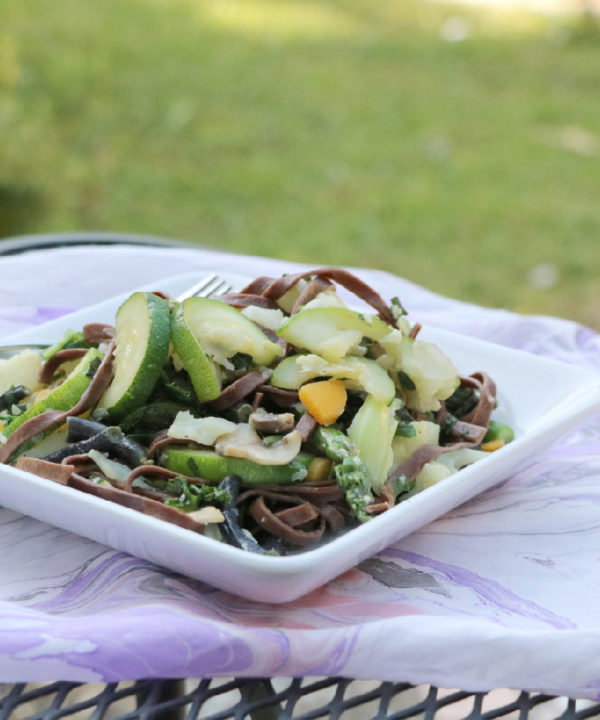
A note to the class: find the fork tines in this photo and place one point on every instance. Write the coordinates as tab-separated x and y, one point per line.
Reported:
206	287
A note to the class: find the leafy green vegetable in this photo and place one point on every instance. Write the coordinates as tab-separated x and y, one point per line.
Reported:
462	401
350	472
406	381
405	429
354	402
12	396
155	416
398	309
241	361
92	367
190	496
447	427
401	485
177	386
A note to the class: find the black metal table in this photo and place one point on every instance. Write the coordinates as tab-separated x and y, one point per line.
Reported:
264	698
267	699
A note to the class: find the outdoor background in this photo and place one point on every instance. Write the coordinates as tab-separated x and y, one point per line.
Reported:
455	145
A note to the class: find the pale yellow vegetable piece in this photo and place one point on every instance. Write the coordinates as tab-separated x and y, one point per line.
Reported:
325	400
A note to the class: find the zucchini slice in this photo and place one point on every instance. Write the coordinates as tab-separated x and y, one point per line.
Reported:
206	333
203	373
66	395
331	332
142	349
213	468
357	372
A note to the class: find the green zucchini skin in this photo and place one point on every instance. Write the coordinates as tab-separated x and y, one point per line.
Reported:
66	395
142	342
213	468
200	368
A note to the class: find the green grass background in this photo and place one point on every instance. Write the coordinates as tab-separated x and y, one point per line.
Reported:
340	131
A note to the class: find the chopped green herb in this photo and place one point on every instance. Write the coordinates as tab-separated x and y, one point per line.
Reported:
189	497
405	429
406	381
92	367
462	401
401	485
155	416
12	396
176	385
398	309
241	361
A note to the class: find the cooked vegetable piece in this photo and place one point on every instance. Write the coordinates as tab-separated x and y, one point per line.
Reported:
353	478
498	431
176	385
188	496
70	339
142	347
21	369
204	431
12	396
430	475
268	318
372	431
154	416
425	375
319	470
493	445
462	401
211	467
359	373
351	474
425	433
325	400
205	376
331	332
66	395
245	443
223	332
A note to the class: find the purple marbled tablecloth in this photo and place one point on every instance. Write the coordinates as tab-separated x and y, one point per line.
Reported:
502	592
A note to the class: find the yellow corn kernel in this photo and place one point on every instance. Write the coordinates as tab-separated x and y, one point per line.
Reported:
492	445
325	400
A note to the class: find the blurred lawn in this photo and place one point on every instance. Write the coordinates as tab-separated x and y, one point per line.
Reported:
347	132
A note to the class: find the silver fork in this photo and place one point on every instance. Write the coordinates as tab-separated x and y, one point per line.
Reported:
209	286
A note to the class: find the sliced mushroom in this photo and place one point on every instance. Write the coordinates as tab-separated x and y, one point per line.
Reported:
245	443
264	421
208	514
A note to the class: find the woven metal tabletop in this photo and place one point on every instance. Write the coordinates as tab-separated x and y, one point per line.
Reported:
266	699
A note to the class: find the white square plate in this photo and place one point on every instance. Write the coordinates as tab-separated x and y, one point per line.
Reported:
542	399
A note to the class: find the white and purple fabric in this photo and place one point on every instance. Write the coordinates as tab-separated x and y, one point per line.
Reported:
503	592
